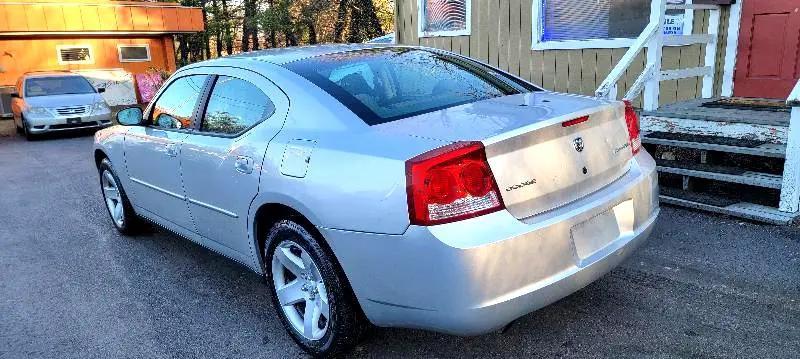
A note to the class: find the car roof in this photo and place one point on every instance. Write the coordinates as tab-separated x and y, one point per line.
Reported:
56	73
282	56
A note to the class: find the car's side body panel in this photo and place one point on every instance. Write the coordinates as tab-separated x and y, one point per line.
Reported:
221	174
111	144
153	166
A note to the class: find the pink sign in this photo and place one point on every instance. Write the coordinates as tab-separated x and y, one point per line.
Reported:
148	84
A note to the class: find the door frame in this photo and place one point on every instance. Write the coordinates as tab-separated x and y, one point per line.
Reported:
731	47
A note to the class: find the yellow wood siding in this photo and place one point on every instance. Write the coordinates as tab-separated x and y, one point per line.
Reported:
501	37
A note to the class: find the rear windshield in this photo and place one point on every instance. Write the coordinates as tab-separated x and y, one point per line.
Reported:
384	85
57	85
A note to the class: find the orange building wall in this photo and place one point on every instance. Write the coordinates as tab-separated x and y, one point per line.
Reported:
20	55
103	16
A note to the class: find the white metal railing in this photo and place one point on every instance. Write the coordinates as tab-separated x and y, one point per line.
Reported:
654	40
790	189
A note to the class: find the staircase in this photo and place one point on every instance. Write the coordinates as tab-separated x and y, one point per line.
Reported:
721	160
744	163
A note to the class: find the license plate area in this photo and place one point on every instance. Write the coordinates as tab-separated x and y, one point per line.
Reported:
73	120
594	234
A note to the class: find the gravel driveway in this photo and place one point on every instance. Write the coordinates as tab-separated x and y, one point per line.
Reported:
70	286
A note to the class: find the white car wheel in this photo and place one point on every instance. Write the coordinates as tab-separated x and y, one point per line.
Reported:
113	198
116	201
309	291
301	290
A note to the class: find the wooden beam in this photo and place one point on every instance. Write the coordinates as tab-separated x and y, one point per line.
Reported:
790	189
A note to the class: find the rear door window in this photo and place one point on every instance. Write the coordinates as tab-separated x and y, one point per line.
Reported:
384	85
234	106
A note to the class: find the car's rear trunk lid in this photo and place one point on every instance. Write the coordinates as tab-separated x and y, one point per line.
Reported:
540	160
539	168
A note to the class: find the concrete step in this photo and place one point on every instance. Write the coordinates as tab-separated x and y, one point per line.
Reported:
765	150
746	210
767	131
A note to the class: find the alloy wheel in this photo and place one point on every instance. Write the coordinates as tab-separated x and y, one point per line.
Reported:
300	290
113	198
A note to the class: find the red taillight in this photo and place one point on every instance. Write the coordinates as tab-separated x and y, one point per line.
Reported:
451	183
632	120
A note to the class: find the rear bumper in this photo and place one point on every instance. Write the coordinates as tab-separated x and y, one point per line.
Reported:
475	276
51	124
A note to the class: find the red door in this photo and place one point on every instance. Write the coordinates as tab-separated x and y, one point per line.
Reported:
768	60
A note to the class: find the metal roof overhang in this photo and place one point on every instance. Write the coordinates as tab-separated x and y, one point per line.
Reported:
42	17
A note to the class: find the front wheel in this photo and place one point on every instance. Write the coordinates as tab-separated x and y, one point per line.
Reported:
26	131
313	299
116	201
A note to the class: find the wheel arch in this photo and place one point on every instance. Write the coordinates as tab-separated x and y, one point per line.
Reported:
269	213
99	155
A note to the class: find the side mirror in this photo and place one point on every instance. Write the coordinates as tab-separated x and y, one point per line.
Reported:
101	90
131	116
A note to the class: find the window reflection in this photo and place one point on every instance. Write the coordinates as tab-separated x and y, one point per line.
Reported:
173	110
234	106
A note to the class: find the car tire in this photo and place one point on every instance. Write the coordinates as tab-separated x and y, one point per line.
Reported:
118	205
28	135
344	324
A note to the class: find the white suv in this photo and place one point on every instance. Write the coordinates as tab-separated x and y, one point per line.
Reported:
57	101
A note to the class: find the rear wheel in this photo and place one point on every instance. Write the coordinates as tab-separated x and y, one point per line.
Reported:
116	201
313	300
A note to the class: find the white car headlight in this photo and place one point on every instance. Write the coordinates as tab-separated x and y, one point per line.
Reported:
38	111
99	106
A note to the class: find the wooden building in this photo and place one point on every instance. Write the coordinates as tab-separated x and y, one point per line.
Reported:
108	41
694	68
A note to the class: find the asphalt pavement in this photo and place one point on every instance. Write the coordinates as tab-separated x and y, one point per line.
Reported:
71	287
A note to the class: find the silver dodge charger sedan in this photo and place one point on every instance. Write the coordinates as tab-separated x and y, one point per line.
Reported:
385	185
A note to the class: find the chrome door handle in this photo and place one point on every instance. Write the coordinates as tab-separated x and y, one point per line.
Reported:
244	164
171	149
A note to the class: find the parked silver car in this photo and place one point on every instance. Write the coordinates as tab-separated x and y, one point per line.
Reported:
57	101
398	186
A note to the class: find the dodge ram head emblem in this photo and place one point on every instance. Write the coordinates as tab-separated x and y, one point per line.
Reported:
578	143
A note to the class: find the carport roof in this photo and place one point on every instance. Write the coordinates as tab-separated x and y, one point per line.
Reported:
96	17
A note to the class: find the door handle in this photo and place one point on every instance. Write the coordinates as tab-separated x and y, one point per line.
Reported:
244	164
171	149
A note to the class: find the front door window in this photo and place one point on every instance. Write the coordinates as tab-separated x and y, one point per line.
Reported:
174	108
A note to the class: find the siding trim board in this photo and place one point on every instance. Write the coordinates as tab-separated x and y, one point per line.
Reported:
731	47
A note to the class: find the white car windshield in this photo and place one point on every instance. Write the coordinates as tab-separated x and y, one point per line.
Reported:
57	85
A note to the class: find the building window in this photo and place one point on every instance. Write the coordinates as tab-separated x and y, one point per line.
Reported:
74	54
134	53
444	17
576	24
